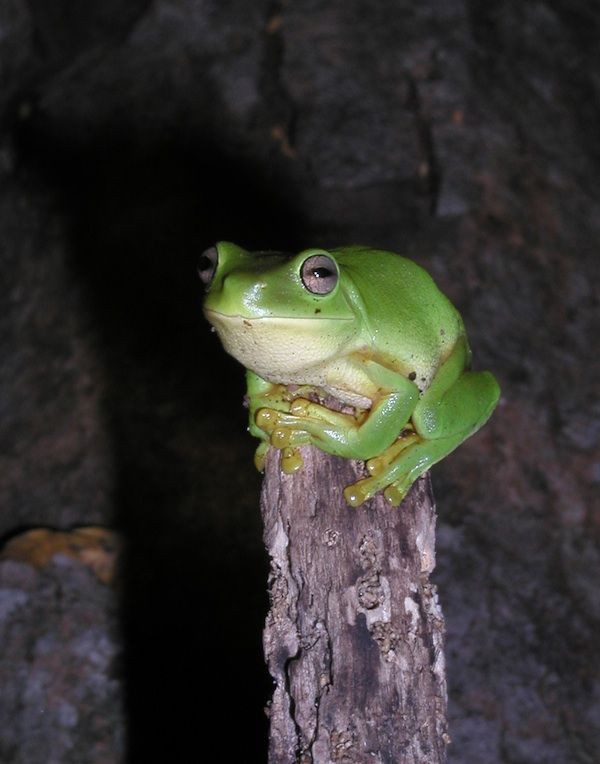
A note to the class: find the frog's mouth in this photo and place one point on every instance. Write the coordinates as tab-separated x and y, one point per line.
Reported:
276	346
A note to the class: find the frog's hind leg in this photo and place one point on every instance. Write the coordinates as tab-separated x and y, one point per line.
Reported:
459	410
442	422
456	405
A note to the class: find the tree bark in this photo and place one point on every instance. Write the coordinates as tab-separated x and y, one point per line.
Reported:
354	635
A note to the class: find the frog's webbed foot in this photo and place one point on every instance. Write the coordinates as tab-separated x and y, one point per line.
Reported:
282	428
380	468
379	465
302	411
310	423
454	406
291	458
397	468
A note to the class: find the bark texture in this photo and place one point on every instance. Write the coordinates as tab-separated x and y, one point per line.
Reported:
354	636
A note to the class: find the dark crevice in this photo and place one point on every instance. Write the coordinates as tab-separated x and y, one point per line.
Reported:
300	748
430	174
277	101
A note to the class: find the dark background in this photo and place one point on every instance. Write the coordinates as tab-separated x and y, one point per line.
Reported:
135	134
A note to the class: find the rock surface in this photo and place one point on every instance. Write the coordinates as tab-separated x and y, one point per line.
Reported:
60	689
134	134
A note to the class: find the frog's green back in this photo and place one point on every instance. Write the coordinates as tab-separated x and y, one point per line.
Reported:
424	326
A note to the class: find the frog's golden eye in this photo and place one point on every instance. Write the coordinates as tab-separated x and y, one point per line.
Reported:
207	265
319	274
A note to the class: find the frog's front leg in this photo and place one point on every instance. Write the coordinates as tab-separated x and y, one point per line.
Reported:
353	437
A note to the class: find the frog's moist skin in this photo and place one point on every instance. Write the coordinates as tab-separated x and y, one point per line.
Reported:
369	328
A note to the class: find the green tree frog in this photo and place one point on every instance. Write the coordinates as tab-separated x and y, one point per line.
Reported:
352	350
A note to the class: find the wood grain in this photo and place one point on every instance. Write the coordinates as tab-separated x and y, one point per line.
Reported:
354	635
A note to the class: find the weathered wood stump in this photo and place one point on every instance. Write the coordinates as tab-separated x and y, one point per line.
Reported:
354	635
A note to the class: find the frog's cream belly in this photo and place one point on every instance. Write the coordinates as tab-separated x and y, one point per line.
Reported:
298	351
341	379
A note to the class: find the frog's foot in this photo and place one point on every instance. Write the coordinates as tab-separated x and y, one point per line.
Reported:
379	468
317	415
363	490
393	490
310	423
378	465
291	458
286	439
399	467
281	430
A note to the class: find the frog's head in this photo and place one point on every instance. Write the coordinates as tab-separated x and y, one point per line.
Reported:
278	314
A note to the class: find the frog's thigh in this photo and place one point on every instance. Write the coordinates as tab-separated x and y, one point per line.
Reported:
442	421
459	409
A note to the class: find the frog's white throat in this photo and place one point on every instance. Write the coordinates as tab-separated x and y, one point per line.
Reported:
287	350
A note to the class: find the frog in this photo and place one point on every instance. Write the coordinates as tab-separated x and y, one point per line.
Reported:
353	350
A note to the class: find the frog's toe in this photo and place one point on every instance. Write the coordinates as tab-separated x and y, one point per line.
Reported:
359	492
395	493
266	419
355	495
260	455
300	407
379	465
291	460
287	437
280	437
376	465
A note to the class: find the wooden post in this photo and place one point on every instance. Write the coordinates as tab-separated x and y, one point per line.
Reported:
354	636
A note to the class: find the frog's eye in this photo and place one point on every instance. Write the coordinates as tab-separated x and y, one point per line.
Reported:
319	274
207	265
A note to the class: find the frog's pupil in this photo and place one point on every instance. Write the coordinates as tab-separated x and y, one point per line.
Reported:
319	274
